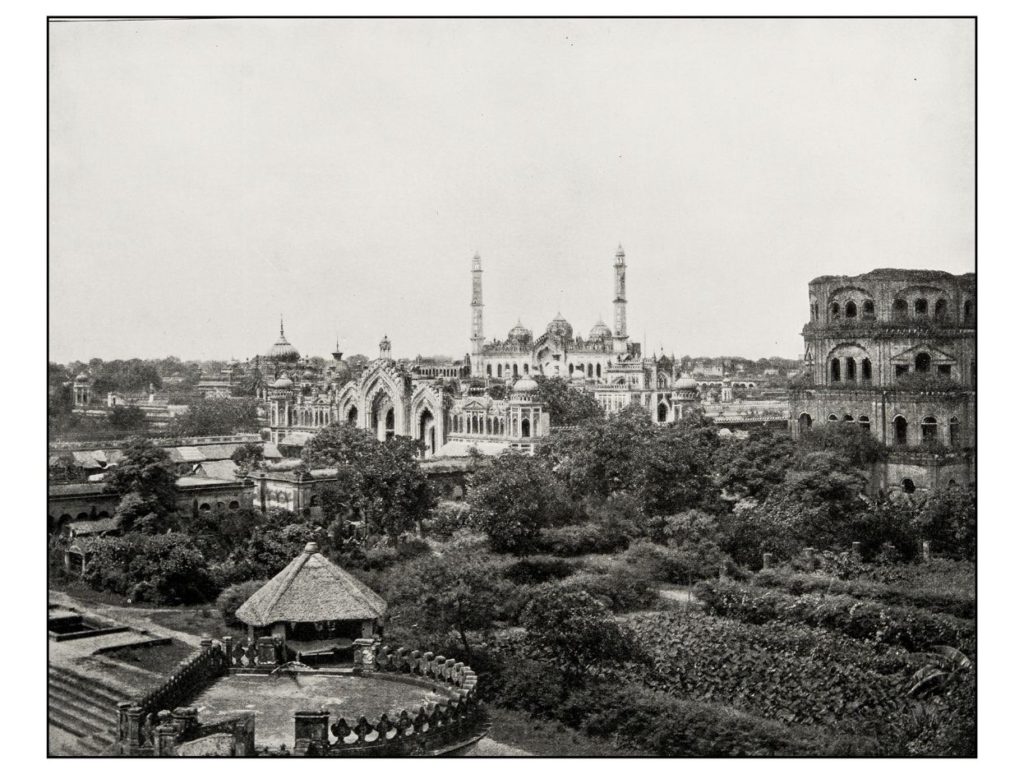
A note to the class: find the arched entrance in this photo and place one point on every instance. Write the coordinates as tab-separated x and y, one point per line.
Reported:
804	423
525	428
428	433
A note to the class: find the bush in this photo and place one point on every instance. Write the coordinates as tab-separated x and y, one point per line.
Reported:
529	685
620	590
165	569
446	519
948	602
539	569
906	627
580	539
660	724
670	565
233	597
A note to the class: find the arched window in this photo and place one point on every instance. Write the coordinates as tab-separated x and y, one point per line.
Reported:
929	430
662	412
598	370
804	423
899	427
488	369
940	309
869	310
233	505
526	368
204	507
353	415
908	486
921	306
851	369
833	311
847	417
954	432
836	369
389	424
922	362
865	424
899	309
526	428
499	370
572	369
865	370
833	418
851	309
590	370
515	370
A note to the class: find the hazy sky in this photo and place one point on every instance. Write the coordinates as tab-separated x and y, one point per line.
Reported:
206	176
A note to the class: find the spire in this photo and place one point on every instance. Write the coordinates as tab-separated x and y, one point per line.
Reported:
282	325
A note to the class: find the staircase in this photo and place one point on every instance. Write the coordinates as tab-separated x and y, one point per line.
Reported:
85	709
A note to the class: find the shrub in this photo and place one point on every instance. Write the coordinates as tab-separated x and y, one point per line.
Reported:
948	602
671	565
620	590
580	539
165	569
658	723
233	597
539	569
446	519
907	627
529	685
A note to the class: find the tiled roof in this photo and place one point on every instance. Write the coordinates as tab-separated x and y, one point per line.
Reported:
311	588
224	469
191	482
271	452
71	490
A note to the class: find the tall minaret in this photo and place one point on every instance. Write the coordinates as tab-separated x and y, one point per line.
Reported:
477	305
619	336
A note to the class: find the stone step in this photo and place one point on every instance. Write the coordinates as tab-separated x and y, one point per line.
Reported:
98	745
74	722
90	684
97	709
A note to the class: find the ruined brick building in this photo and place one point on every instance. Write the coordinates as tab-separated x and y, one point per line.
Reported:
895	351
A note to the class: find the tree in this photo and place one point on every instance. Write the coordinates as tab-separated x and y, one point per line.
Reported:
847	439
575	631
165	569
451	593
674	470
511	500
248	456
567	405
755	466
218	416
146	471
949	519
126	418
385	484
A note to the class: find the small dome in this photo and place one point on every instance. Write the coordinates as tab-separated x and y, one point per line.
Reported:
526	384
600	331
519	333
560	327
284	383
686	382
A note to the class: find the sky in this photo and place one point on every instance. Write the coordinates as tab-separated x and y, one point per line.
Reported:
207	177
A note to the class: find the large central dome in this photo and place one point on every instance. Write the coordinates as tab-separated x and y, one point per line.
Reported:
560	327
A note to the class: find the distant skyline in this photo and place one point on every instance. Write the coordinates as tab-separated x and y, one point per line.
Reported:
209	176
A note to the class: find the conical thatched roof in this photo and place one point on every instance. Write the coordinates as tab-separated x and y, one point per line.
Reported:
311	589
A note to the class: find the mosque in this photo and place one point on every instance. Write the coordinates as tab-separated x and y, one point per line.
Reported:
451	414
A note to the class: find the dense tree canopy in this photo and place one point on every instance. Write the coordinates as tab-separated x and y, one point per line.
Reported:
217	416
147	472
566	405
511	500
387	487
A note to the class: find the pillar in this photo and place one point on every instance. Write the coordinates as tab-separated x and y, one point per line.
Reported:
311	732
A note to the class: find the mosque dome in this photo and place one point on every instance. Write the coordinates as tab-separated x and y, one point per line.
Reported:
519	333
686	382
560	327
600	331
282	350
284	383
524	385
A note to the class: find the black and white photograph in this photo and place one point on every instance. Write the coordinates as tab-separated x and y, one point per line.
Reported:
462	387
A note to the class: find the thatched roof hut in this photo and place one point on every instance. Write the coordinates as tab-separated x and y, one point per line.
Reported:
311	589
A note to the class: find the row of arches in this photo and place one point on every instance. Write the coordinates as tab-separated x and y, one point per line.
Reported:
507	370
476	423
901	310
929	428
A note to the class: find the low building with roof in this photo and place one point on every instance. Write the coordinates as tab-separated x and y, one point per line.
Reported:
314	607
